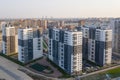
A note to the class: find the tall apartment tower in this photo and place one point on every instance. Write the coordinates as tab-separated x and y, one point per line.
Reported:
9	39
116	36
29	44
65	49
97	45
44	24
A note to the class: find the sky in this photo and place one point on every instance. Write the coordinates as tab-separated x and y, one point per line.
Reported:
59	8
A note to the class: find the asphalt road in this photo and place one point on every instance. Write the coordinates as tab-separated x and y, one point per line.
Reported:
13	75
9	71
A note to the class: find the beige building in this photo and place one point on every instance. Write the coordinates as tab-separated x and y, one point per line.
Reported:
44	24
9	39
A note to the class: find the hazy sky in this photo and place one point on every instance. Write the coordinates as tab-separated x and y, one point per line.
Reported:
59	8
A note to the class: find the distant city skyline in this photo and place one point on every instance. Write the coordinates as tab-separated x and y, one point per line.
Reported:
59	8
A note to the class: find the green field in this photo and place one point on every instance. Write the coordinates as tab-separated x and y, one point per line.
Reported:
113	73
45	47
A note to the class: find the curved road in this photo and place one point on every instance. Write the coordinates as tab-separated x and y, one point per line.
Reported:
9	71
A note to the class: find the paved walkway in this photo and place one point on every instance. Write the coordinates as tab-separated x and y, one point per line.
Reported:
9	71
116	78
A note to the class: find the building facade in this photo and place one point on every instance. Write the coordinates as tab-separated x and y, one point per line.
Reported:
97	45
116	35
44	24
9	40
65	49
29	44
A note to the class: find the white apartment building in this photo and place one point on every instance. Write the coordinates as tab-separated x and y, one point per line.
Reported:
97	45
116	35
29	44
65	49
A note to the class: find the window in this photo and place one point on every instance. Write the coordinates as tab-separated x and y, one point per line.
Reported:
106	55
22	56
22	50
62	54
38	48
38	39
74	38
92	56
56	34
74	42
92	41
22	53
92	52
106	59
61	45
61	57
92	59
106	34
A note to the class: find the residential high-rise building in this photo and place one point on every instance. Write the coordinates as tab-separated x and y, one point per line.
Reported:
0	41
9	39
116	36
29	44
44	24
65	49
97	45
61	23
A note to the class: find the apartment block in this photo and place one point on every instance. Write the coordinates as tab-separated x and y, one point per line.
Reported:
9	39
44	24
97	45
29	44
65	49
116	35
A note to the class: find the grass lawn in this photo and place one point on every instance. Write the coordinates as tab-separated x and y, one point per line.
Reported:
114	72
44	45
